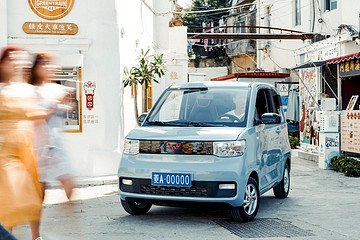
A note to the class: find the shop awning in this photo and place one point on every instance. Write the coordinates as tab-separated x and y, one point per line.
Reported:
343	58
252	75
310	64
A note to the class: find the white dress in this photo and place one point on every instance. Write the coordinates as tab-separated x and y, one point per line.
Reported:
56	163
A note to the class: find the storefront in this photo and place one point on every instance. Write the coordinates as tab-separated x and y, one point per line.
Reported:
328	76
83	35
315	87
349	75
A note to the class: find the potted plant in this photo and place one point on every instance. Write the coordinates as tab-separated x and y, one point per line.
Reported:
147	68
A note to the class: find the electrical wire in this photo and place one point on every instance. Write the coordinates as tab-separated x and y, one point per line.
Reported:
223	9
327	83
307	89
213	10
153	11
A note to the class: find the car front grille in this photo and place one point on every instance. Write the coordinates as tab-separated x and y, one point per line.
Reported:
174	191
170	147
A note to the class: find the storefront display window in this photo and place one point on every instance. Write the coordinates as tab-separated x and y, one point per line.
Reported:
71	77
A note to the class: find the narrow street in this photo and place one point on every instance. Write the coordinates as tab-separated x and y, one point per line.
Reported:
322	204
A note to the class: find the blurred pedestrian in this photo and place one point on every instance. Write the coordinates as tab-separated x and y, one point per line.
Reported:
20	192
53	159
5	235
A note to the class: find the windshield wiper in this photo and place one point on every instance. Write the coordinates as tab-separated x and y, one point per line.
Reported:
201	124
185	124
160	123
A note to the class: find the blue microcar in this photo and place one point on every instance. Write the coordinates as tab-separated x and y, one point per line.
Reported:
214	142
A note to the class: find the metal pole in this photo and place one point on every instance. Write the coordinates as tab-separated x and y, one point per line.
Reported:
339	88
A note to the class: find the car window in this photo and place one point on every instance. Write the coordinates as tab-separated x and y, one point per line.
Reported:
276	100
171	107
263	103
213	106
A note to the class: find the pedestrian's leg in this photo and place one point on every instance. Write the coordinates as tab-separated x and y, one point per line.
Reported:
43	188
35	229
68	185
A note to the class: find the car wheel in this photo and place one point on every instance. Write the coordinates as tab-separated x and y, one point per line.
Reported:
248	210
282	189
136	208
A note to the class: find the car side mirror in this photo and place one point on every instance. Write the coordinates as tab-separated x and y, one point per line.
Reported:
142	117
270	118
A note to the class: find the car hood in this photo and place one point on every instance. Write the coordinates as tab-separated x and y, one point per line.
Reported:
186	133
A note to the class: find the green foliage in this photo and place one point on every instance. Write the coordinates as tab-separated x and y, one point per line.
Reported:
191	53
349	166
196	19
197	61
148	67
294	141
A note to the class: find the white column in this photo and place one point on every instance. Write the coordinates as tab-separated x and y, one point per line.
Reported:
161	24
161	41
3	23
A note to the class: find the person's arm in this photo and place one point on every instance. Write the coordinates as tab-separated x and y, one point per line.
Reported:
39	114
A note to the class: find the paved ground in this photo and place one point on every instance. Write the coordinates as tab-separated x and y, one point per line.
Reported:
322	204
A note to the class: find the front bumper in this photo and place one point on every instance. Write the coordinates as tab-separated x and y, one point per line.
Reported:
200	189
207	173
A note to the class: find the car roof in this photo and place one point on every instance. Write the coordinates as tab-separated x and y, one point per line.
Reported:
220	84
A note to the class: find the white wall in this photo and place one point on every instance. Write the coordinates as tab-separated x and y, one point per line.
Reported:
176	60
210	73
146	26
280	53
3	23
94	150
136	32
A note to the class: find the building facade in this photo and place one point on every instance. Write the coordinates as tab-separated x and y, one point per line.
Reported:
94	41
242	52
310	62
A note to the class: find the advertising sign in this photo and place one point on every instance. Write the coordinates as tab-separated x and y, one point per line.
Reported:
54	28
349	68
308	116
89	88
350	131
51	9
329	148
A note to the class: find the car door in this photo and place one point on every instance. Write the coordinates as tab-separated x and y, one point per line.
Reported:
269	141
282	131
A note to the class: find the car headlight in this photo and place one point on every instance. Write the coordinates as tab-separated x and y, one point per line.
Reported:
131	146
229	149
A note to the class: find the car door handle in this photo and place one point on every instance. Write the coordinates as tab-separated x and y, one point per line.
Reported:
278	130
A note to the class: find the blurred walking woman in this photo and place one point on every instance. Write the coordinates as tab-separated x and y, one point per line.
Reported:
20	193
51	155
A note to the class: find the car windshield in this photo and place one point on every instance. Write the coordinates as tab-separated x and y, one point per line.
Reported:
201	107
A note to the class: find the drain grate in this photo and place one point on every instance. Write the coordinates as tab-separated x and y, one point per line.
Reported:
263	228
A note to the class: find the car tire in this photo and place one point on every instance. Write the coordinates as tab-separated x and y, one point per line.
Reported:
248	210
136	208
282	189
